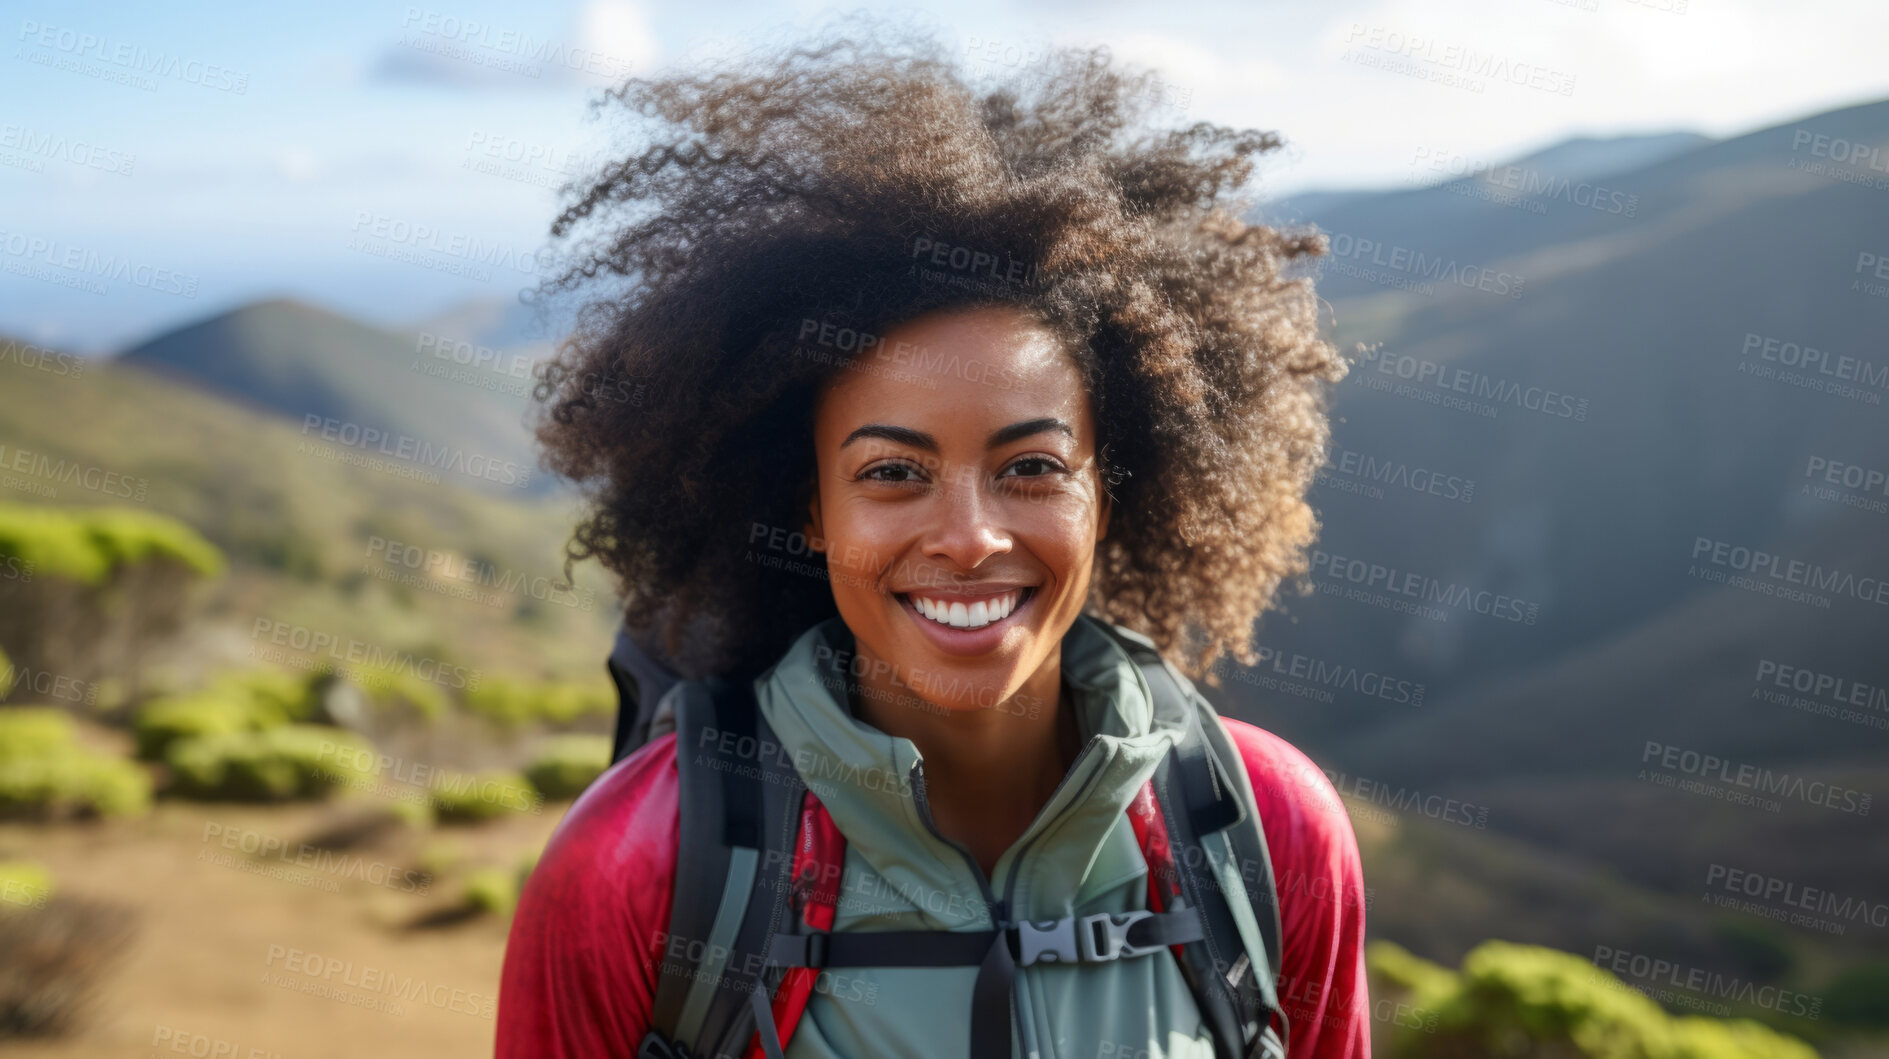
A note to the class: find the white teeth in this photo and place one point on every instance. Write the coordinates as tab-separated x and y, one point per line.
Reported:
976	615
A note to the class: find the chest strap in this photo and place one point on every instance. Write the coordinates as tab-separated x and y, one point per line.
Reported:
1099	938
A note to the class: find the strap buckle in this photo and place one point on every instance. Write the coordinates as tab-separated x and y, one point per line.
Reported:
1104	936
1050	942
1096	938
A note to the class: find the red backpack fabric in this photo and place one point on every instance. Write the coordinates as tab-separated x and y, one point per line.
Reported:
590	932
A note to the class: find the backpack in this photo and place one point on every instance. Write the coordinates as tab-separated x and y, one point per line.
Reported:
759	860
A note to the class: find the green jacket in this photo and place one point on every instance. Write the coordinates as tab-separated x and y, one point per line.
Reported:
1079	856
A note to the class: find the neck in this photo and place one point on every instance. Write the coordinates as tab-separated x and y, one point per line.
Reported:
988	771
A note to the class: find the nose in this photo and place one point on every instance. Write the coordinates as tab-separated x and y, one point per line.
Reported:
965	526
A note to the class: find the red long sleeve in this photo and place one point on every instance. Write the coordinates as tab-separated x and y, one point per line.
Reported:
582	960
581	963
1314	853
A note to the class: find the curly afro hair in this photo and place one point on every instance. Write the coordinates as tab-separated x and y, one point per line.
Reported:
806	194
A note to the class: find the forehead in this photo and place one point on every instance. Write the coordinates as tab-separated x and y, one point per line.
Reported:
976	364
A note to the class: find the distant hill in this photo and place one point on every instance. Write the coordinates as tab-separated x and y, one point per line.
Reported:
1644	324
299	360
494	322
370	553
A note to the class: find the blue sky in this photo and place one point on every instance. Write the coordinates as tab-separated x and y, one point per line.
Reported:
219	153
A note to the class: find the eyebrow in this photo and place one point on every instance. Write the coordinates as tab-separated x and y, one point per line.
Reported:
918	439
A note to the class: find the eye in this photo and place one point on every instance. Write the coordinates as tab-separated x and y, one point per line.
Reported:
895	472
1033	467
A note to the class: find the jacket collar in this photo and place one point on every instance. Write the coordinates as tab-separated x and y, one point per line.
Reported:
869	781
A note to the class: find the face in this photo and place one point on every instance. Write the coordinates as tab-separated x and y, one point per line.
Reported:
959	502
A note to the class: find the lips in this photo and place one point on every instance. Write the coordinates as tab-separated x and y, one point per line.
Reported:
975	612
967	622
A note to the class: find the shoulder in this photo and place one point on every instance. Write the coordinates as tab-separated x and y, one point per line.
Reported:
621	829
1307	829
583	956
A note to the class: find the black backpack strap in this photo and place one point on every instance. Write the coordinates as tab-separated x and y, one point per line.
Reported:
641	683
739	798
1234	985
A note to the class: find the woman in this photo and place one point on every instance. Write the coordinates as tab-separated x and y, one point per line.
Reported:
904	391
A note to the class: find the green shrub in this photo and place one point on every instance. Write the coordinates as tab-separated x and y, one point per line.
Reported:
23	884
463	797
515	702
275	764
566	764
1860	997
245	701
1522	1000
495	890
46	773
492	890
1761	953
387	688
87	545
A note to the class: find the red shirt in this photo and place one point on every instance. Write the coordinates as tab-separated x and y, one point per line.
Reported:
585	947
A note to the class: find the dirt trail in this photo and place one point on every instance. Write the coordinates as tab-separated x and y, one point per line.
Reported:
226	954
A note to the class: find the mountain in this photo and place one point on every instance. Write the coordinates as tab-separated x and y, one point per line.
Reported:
1579	403
1591	158
439	568
495	323
460	406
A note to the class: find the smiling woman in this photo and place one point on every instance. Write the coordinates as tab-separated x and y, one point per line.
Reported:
1044	412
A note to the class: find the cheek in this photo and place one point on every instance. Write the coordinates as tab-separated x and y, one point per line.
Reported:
1063	539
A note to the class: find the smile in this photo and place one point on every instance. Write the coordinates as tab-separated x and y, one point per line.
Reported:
957	614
